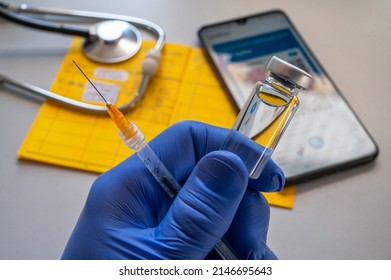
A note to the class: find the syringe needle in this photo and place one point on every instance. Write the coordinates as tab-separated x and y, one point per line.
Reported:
101	95
119	119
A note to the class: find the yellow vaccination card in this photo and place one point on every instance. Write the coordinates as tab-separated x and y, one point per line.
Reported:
185	87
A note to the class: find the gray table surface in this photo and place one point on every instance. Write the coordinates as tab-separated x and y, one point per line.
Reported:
343	216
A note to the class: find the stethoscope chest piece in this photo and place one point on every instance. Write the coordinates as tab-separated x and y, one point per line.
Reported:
112	41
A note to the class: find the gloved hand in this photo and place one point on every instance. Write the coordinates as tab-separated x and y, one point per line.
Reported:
127	214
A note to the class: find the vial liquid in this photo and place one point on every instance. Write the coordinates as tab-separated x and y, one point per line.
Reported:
266	114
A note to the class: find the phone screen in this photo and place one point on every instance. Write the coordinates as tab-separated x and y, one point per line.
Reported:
325	135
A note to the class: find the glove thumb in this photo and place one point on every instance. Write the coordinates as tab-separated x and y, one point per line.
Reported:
204	209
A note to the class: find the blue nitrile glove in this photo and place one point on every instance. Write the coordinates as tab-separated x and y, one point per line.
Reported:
128	215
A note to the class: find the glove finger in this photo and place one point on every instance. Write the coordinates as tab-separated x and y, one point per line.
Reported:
182	145
272	179
205	207
248	231
193	140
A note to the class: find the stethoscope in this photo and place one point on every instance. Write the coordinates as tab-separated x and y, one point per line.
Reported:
112	39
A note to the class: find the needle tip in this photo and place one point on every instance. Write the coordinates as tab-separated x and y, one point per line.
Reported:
101	95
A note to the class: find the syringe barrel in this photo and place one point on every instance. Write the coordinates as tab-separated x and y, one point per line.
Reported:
159	171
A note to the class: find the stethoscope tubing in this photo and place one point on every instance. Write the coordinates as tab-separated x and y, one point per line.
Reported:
69	102
18	14
94	17
43	24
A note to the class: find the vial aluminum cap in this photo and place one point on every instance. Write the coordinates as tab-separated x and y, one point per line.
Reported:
289	72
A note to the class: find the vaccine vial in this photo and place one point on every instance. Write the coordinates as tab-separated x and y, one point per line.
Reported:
267	113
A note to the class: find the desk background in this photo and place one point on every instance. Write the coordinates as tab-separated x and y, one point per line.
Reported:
343	216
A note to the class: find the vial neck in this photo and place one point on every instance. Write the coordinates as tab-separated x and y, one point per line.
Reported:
282	84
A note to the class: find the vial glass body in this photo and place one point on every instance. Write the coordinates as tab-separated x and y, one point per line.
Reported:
263	118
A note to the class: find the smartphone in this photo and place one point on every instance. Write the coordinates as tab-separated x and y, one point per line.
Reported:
325	135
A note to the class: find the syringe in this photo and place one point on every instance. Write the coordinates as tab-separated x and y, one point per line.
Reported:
135	140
